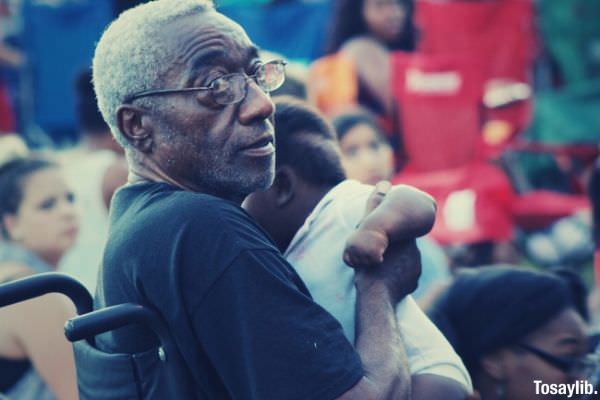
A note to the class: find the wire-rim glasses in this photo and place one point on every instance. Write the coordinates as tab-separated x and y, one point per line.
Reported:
230	88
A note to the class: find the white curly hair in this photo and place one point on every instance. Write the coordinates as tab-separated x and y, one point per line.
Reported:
131	56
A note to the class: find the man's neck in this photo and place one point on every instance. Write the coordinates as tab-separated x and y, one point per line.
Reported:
138	174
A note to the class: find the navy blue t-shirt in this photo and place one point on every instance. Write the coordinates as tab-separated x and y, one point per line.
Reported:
241	317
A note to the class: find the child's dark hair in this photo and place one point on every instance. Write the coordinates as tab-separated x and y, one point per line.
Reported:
306	142
13	175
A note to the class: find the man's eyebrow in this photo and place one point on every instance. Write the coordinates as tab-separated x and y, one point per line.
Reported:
253	52
206	58
214	56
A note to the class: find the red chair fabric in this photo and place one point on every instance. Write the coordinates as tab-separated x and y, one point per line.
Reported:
474	202
7	119
500	33
439	109
538	209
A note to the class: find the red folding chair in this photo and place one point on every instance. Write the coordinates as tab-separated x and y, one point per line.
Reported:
442	115
498	33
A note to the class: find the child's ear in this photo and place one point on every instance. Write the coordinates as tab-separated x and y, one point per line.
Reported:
494	365
284	186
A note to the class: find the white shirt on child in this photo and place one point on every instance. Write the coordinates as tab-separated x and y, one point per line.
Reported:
316	254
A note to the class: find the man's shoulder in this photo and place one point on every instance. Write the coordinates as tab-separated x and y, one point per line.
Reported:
163	209
160	200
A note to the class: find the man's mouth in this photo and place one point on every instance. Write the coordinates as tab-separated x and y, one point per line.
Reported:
261	147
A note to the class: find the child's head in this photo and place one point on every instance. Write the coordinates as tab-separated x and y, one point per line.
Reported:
307	163
36	207
366	154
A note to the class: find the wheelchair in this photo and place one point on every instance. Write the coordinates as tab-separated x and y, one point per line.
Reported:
156	373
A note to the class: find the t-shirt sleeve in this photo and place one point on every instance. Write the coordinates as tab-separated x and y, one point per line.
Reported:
269	340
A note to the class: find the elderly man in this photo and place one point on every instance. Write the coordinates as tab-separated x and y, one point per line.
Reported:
185	93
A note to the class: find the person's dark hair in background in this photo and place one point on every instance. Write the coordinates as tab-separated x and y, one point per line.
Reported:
349	21
510	326
347	121
309	158
90	119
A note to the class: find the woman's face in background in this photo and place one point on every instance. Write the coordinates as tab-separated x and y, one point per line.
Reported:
366	157
46	222
384	18
563	336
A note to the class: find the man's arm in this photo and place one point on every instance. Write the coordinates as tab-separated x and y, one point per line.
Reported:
378	340
380	349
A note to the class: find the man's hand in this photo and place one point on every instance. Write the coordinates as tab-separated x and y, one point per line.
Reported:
398	274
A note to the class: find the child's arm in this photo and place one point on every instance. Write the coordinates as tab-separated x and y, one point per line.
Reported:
393	215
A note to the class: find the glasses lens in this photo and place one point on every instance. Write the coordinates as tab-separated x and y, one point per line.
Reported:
228	89
271	75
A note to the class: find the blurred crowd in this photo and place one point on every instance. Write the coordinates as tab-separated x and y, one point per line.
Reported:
490	106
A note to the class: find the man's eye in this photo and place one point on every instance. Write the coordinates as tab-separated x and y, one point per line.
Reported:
219	85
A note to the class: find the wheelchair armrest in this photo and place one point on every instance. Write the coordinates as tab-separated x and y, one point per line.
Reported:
110	318
48	282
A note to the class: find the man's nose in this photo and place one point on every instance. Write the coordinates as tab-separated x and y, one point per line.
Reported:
257	106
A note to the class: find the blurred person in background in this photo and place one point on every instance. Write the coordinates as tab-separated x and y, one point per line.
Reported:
12	59
366	154
321	208
11	147
94	169
512	326
365	31
39	224
594	194
367	157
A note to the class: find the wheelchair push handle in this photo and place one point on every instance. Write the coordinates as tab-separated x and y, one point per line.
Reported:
110	318
44	283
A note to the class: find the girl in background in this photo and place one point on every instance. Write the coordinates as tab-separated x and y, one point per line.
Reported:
38	223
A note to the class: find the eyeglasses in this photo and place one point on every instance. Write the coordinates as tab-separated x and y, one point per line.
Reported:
231	88
572	366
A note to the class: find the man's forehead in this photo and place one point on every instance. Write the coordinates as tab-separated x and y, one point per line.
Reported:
211	35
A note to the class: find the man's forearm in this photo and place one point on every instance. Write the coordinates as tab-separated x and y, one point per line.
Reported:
379	344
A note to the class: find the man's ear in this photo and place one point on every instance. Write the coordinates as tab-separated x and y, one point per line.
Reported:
284	186
494	365
134	127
